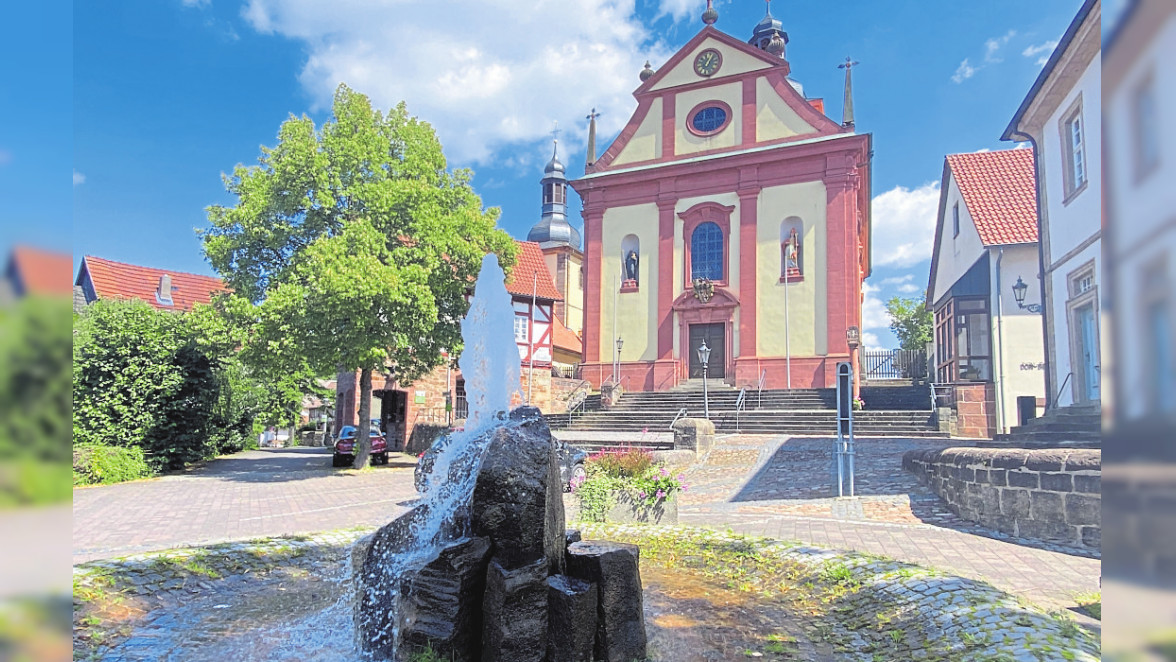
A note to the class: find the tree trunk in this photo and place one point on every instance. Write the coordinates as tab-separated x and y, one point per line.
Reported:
363	441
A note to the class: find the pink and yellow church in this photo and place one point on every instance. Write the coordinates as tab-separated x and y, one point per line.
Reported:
729	211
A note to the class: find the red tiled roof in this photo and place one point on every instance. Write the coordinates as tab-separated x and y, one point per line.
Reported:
1000	191
529	263
563	338
116	280
42	272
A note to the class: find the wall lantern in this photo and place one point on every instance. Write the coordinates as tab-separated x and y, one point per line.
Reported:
1019	290
853	336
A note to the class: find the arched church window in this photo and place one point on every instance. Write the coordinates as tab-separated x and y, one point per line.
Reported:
792	250
706	252
630	263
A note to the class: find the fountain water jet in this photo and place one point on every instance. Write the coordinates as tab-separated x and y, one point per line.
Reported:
482	568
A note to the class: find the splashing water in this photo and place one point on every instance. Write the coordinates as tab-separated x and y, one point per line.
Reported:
490	366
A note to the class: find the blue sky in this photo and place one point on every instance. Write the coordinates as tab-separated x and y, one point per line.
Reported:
168	94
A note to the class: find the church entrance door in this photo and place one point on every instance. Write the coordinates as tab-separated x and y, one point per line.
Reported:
715	337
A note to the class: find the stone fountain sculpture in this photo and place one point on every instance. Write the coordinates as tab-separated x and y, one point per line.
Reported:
482	568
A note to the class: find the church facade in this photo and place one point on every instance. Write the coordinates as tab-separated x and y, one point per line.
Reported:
729	211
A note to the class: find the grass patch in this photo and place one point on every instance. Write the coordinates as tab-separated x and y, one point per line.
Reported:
1090	604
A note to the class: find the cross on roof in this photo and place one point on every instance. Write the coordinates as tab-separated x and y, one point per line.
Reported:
593	115
848	64
555	130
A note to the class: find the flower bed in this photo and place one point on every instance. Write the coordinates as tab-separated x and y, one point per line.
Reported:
626	485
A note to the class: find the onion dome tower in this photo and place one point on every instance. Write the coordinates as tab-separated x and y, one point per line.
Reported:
769	35
553	227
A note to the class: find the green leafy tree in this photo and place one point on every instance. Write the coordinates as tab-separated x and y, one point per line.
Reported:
35	400
141	379
352	247
910	321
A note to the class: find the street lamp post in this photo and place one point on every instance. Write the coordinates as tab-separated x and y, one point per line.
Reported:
617	363
1019	290
704	358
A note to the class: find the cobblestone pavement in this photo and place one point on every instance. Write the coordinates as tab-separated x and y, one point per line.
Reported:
783	488
279	599
259	493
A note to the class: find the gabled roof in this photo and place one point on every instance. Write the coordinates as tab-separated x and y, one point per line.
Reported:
530	274
1000	191
563	338
708	32
40	272
1013	131
118	280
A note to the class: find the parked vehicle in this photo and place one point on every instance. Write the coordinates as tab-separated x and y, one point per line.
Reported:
344	454
571	463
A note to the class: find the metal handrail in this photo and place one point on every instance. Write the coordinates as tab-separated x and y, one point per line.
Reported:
759	401
740	405
575	404
1061	388
682	413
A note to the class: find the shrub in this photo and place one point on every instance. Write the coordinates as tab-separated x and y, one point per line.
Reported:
620	462
95	465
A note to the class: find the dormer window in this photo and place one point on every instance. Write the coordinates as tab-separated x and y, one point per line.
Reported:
164	294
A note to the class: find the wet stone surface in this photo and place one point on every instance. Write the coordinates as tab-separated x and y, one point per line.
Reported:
282	599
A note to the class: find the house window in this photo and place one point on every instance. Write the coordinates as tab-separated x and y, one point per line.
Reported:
1082	283
706	252
963	341
1146	129
955	220
1158	339
520	328
554	194
1074	150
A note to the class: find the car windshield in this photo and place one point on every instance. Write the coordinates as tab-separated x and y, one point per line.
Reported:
348	432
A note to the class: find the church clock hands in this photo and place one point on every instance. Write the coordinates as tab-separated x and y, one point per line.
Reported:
708	62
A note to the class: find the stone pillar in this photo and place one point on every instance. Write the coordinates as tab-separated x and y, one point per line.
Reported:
615	569
694	434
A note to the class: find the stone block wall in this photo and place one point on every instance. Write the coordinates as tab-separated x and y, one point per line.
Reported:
1050	494
975	411
561	388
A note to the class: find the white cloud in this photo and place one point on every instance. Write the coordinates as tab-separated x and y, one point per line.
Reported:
904	284
963	72
196	3
5	156
678	10
1041	51
78	178
482	89
993	46
904	225
875	319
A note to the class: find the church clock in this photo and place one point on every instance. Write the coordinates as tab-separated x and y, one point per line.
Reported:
708	62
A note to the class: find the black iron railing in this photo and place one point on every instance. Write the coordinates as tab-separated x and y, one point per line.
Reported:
894	364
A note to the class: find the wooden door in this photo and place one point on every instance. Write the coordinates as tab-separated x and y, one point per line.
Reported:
716	339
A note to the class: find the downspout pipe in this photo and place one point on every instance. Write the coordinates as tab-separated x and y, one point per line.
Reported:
1000	344
1041	267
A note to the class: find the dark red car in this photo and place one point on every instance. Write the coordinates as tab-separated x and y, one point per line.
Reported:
345	447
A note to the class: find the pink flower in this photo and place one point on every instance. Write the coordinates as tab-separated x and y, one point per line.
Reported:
641	495
665	472
661	494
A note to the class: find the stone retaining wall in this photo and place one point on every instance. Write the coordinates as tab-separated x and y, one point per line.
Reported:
1051	494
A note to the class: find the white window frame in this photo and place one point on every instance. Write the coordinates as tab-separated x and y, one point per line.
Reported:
1073	135
1146	127
522	328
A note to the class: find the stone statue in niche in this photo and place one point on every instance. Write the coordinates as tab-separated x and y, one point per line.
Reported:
791	256
631	264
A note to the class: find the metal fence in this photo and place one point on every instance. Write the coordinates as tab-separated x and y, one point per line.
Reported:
894	364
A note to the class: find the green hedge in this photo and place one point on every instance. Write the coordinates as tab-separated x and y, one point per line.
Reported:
95	465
